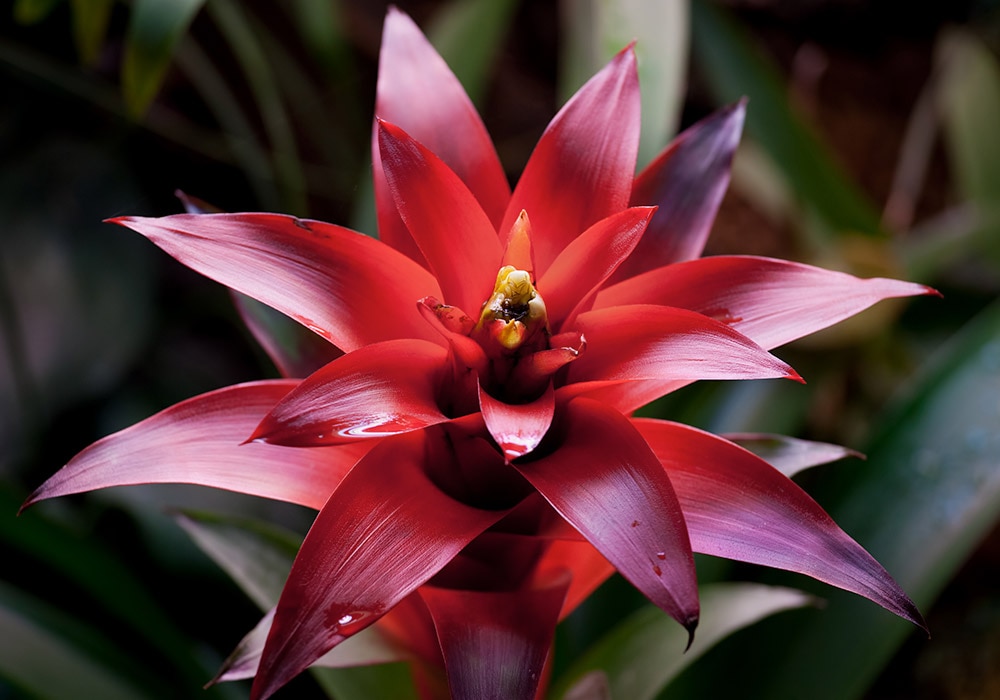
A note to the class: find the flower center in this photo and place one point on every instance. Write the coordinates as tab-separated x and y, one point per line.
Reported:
513	319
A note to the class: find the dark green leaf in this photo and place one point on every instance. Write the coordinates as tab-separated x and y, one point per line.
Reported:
155	27
597	30
928	494
641	655
969	102
90	25
32	11
734	68
51	656
468	34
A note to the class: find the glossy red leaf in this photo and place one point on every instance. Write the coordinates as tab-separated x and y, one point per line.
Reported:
349	288
368	647
495	643
661	344
771	301
198	441
379	390
687	181
448	224
581	171
518	428
588	261
739	507
417	91
604	480
385	531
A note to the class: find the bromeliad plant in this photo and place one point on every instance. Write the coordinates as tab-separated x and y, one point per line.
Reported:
467	438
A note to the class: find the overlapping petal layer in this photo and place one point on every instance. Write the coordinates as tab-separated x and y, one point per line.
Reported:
349	288
495	643
605	481
582	168
385	531
379	390
419	93
485	452
663	344
446	222
199	441
739	507
771	301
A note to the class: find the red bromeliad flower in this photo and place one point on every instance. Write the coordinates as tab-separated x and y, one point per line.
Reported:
469	445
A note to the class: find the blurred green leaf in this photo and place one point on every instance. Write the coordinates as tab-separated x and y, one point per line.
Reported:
468	34
258	557
155	27
95	571
320	23
734	68
90	26
640	656
598	29
236	28
32	11
929	493
968	83
51	656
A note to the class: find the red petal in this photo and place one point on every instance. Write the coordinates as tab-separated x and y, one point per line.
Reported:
351	289
379	390
739	507
198	441
771	301
537	368
385	531
495	643
518	428
588	261
417	91
589	569
606	482
295	350
687	181
450	228
582	168
666	345
368	647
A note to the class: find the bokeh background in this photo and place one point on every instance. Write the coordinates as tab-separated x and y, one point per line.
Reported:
872	145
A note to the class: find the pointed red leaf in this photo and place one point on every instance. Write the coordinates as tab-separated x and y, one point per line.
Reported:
385	531
349	288
368	647
495	643
687	181
378	390
518	428
739	507
198	441
582	168
583	266
417	91
604	480
771	301
448	224
661	344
